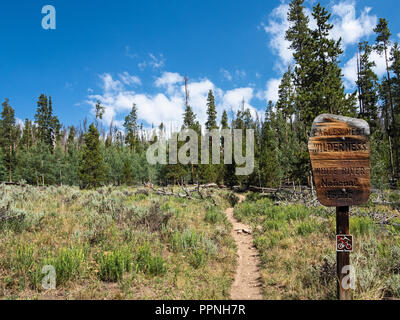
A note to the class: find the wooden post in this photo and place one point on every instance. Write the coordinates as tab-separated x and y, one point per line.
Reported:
342	258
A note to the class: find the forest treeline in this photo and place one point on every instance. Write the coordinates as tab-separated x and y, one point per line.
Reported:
42	151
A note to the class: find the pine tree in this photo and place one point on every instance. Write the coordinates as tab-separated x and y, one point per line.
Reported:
131	129
368	87
382	44
211	122
209	172
189	118
3	169
286	95
8	135
224	120
47	124
301	42
269	151
91	166
127	174
70	147
54	125
28	135
190	122
328	90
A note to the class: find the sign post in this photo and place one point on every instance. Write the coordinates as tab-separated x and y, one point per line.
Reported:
339	150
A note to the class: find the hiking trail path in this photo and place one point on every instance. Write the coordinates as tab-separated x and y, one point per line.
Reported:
247	284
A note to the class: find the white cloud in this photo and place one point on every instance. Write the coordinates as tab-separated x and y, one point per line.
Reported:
166	106
276	27
169	81
240	73
235	75
153	61
271	92
19	122
350	69
227	75
233	98
109	84
129	79
348	26
198	92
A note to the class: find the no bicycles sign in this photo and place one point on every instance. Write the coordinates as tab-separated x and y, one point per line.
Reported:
344	243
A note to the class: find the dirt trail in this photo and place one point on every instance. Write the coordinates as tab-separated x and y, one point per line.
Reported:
247	285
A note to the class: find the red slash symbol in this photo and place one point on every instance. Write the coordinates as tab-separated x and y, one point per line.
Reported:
344	242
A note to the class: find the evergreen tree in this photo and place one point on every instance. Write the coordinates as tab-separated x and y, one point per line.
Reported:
99	109
382	46
131	129
3	169
328	93
47	124
286	95
127	174
224	120
8	136
28	135
269	151
189	118
368	87
190	122
211	122
91	166
70	147
209	172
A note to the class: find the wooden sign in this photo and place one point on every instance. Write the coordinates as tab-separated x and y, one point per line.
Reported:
339	150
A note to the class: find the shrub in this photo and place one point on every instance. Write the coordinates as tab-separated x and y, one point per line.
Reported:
186	240
68	263
197	246
149	264
307	227
113	265
393	286
362	225
198	258
213	215
24	258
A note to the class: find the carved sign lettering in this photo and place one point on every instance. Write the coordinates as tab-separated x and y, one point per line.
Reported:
340	151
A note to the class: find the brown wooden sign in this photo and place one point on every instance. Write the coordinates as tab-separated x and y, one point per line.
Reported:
339	150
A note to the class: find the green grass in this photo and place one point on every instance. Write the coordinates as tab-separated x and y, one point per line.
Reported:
297	250
113	244
68	263
113	265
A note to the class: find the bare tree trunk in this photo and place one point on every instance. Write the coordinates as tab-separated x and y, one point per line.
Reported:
358	86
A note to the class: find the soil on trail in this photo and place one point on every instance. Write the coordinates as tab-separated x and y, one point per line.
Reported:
247	285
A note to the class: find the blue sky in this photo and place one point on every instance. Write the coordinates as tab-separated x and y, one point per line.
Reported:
122	52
